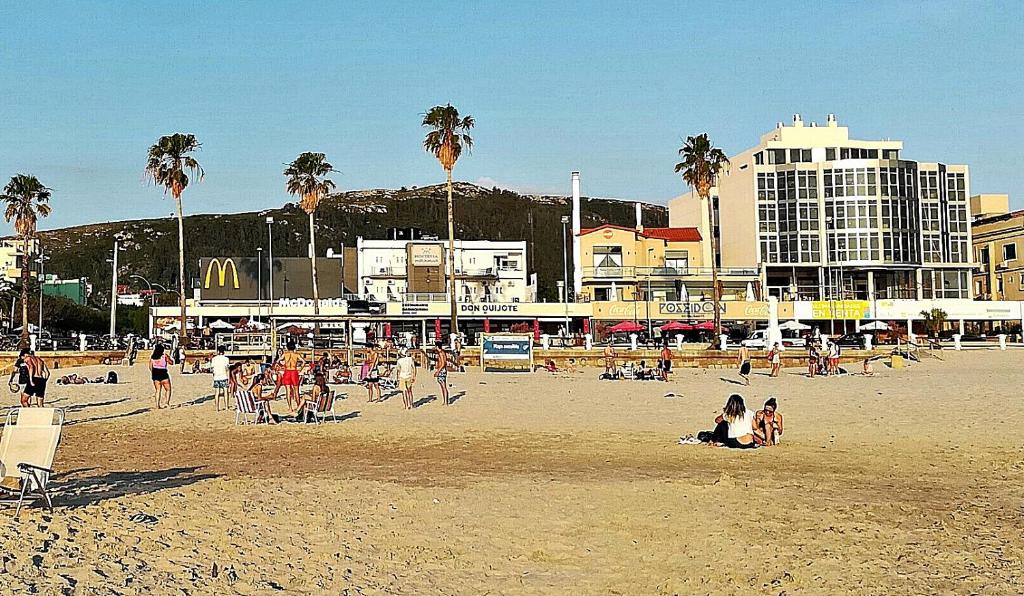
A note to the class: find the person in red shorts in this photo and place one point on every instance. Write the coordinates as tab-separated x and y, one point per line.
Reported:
290	379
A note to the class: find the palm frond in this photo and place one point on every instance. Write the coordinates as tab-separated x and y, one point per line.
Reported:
448	135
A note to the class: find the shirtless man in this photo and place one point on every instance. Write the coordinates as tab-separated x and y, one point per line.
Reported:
666	362
290	379
441	372
743	361
609	360
38	374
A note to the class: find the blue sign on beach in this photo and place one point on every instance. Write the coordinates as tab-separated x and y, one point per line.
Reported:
510	349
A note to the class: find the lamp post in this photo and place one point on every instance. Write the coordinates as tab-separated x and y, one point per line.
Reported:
42	262
647	297
259	282
565	270
270	260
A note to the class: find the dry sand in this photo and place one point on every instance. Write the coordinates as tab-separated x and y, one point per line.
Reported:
906	482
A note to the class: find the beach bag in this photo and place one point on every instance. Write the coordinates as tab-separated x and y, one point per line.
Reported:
111	378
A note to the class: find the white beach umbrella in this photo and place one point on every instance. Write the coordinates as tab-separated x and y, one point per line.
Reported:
750	292
794	326
220	324
875	326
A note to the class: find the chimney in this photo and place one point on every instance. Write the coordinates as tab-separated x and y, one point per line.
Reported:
577	272
779	124
831	121
797	122
639	217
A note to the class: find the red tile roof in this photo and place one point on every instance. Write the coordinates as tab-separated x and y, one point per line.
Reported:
667	234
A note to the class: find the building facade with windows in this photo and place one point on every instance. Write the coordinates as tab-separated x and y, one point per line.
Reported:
12	251
659	264
998	236
416	271
825	217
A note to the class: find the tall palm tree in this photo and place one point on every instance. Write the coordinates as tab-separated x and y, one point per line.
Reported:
306	180
169	164
27	200
701	165
449	134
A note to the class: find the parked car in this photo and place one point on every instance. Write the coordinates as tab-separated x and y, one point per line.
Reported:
851	340
758	340
948	334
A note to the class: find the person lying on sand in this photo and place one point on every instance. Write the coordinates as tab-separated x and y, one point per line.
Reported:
768	424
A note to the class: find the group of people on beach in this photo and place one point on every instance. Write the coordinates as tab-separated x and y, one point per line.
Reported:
740	428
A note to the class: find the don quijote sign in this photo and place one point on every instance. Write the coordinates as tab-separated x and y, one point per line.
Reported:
489	308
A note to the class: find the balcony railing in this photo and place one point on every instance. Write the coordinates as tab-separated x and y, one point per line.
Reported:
664	272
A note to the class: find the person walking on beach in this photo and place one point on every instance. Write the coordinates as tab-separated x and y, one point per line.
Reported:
159	363
743	361
371	374
219	364
666	361
775	359
38	374
812	360
21	372
441	372
292	362
406	377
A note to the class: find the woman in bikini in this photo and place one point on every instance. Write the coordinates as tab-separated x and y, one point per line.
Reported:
372	375
768	424
158	365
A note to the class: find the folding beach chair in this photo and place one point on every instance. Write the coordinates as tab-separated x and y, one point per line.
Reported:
324	405
246	405
29	442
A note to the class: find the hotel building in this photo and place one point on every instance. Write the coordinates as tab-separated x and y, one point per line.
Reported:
826	217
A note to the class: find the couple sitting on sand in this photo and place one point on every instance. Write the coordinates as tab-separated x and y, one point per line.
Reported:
740	428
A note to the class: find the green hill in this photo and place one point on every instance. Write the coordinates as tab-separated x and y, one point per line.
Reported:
150	245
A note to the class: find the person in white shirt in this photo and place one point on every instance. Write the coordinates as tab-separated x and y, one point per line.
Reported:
406	377
735	426
220	364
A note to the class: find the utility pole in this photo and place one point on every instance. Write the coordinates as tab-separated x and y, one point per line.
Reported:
565	267
42	262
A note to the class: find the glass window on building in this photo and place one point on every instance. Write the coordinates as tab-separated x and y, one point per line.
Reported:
983	255
776	156
759	158
830	153
678	261
608	260
890	154
1010	251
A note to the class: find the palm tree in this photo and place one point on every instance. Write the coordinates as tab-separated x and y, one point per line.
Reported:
446	139
701	165
169	160
934	319
306	181
27	200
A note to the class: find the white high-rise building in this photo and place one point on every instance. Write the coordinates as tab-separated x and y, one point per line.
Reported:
825	216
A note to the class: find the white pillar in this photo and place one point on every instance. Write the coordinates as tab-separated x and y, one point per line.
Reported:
774	334
577	269
867	341
545	340
639	216
32	342
588	340
871	285
632	341
910	330
920	284
679	341
83	344
1002	341
956	342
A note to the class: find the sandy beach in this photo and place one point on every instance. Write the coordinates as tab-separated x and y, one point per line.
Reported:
906	482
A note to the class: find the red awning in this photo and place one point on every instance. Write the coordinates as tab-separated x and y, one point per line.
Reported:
626	327
676	326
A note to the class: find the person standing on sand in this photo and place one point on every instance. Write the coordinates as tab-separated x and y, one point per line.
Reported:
743	361
292	362
38	374
21	372
406	377
812	360
666	361
609	360
219	365
159	363
775	359
371	374
441	372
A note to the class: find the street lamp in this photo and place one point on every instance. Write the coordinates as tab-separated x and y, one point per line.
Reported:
259	282
42	261
270	260
647	298
565	269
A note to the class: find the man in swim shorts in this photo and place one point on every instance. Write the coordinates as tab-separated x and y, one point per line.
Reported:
292	362
38	374
441	372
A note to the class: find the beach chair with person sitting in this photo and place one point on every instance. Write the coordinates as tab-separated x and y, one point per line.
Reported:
247	405
319	405
27	447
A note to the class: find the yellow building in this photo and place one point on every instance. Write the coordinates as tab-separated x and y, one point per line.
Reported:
998	242
664	264
12	256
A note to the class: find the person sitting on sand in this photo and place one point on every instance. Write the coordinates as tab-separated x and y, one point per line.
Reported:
768	424
735	426
869	369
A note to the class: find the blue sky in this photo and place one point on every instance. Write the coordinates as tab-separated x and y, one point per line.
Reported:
605	88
